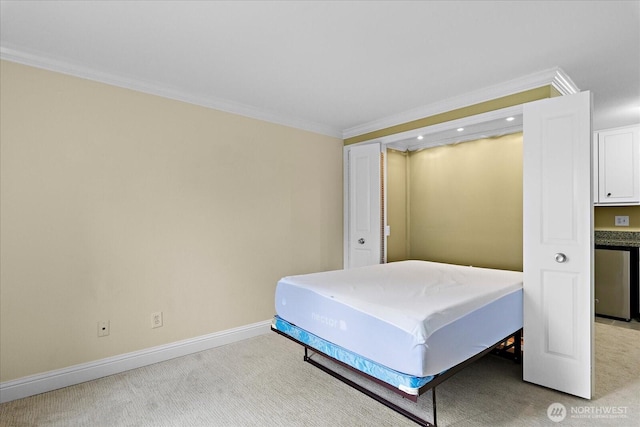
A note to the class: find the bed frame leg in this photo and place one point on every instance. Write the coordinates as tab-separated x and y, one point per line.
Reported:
517	348
435	417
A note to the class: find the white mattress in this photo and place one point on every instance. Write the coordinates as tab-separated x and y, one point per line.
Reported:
416	317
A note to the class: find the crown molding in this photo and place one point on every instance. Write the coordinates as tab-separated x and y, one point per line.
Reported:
563	83
553	76
40	60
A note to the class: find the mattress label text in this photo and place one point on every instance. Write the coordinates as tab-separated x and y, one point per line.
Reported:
332	323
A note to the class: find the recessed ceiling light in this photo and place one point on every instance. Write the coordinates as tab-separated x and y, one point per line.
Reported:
460	129
420	137
510	119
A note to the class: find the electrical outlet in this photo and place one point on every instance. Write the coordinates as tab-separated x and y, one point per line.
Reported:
622	221
156	319
103	328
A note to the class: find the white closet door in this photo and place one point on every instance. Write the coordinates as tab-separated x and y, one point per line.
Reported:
558	244
364	211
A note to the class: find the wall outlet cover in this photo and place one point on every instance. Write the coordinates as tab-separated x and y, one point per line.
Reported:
103	328
156	319
622	221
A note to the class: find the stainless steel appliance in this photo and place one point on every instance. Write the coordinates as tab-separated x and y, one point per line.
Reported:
616	282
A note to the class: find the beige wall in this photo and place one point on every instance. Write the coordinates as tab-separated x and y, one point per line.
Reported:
604	217
116	204
465	203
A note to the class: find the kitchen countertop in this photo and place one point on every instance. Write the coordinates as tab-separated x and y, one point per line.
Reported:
617	238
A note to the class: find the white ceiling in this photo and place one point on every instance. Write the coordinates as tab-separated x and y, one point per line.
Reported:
332	66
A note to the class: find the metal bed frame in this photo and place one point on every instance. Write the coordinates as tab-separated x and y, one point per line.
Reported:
509	347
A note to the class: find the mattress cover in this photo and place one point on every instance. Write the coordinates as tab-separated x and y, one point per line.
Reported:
415	317
407	383
418	297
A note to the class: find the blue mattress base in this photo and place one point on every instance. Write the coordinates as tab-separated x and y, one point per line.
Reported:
406	383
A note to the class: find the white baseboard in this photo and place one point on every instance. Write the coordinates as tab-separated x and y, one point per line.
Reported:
52	380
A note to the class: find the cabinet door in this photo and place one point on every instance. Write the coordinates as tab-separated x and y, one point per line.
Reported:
619	166
595	189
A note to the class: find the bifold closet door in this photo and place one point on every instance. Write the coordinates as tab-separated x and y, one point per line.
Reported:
363	245
558	244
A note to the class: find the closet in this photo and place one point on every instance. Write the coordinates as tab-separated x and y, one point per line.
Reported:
557	215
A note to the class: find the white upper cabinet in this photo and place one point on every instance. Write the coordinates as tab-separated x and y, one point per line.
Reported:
616	169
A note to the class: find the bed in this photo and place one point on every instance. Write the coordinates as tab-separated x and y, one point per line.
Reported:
407	325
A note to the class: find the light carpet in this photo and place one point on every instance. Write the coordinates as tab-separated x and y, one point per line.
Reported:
264	382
